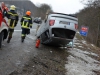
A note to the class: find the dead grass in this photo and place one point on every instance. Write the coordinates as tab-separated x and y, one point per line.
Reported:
78	36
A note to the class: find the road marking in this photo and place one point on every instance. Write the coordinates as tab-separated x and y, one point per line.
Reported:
17	30
31	37
21	30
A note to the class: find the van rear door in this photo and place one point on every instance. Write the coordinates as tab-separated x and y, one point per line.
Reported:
63	21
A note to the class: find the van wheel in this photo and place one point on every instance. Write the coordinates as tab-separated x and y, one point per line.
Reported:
1	38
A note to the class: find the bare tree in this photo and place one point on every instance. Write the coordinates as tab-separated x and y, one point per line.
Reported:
42	9
89	16
91	3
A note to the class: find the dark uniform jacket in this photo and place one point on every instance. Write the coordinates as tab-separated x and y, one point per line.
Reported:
26	22
13	18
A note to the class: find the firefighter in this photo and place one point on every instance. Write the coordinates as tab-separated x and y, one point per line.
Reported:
3	12
39	23
13	20
3	9
26	24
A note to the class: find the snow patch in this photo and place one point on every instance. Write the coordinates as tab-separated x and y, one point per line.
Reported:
31	37
79	63
92	45
80	46
74	45
77	43
75	38
84	42
78	32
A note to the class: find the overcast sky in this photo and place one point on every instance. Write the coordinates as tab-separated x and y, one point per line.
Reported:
62	6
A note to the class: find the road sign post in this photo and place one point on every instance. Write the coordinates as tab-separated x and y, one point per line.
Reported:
84	31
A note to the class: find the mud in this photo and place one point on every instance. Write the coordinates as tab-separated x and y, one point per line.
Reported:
48	61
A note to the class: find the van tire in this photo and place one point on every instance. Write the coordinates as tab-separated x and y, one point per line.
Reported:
1	38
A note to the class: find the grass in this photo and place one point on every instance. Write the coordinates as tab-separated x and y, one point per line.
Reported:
79	36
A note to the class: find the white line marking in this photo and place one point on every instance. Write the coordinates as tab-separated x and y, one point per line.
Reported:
31	37
17	30
21	30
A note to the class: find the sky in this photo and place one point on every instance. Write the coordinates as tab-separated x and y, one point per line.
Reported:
62	6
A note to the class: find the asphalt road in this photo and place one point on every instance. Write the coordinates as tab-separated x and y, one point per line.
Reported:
18	58
12	52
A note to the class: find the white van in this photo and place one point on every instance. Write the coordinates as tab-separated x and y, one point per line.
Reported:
58	30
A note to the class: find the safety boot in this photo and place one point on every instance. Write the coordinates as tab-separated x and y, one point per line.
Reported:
8	41
22	40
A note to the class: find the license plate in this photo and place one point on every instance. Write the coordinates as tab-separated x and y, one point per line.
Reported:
63	22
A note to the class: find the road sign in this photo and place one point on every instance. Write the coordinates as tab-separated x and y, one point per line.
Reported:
84	30
83	33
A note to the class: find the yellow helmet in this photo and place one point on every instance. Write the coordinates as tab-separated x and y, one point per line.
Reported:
12	7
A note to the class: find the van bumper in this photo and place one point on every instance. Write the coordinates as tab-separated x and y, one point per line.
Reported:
56	41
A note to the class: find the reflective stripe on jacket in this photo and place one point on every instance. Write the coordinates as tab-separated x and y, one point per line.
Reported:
26	22
12	18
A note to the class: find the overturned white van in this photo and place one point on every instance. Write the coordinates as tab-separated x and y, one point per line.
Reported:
58	30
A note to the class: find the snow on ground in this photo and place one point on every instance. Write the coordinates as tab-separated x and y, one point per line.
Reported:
92	45
80	63
80	46
84	42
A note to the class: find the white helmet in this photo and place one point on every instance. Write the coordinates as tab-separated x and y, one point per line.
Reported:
12	7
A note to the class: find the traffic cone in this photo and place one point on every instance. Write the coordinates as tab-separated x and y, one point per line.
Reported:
37	43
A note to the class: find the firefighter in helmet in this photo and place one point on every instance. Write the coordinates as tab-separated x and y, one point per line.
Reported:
13	20
26	24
